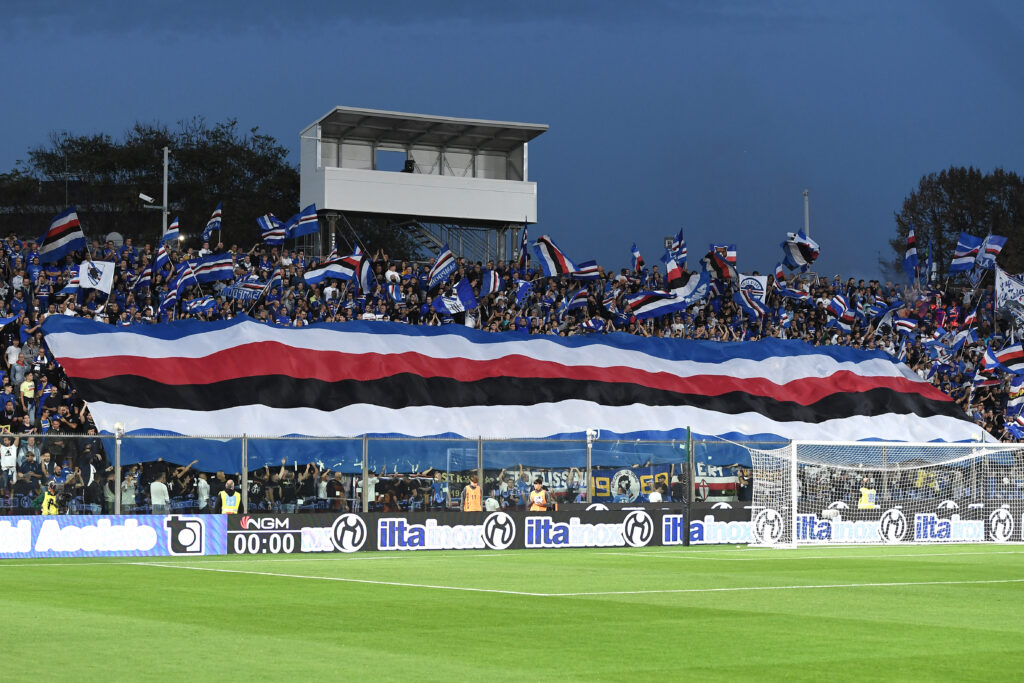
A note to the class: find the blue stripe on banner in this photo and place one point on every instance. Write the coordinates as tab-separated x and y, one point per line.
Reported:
668	349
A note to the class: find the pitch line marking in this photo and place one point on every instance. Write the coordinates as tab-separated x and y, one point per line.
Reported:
343	579
731	589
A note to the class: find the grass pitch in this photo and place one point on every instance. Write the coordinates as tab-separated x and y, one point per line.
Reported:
891	613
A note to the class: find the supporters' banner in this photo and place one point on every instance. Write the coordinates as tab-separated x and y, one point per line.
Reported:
350	532
237	376
247	291
628	485
1010	295
96	275
110	536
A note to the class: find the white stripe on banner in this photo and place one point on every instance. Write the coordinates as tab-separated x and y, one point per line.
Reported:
503	422
69	345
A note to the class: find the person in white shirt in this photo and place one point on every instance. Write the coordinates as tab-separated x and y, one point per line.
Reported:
8	463
159	496
655	495
11	355
203	492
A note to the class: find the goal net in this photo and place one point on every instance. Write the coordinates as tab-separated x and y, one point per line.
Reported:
874	492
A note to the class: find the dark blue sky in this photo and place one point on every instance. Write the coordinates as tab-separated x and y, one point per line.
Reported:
710	115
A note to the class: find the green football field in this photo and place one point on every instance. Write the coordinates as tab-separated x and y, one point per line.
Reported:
911	612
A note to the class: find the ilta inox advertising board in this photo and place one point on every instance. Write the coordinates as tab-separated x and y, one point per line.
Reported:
322	533
721	524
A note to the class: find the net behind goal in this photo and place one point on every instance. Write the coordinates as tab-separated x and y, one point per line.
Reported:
873	492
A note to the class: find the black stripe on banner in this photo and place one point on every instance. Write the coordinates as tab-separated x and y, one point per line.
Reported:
405	390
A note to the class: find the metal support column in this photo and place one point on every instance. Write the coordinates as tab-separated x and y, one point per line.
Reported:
366	474
480	461
591	435
117	473
245	474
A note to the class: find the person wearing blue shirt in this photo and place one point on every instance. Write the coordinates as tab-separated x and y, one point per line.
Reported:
620	495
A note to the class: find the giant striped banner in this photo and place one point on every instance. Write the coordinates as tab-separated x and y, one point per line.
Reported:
348	379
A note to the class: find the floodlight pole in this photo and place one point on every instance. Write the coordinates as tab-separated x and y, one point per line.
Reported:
807	213
166	209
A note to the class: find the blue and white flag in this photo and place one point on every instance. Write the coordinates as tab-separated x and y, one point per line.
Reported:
799	251
173	232
272	230
904	325
678	248
593	325
638	260
213	267
163	259
63	237
464	300
145	279
910	257
524	256
492	283
553	261
395	293
245	290
334	267
444	265
71	288
588	270
966	253
577	299
750	303
201	305
303	223
367	280
990	248
968	336
213	223
523	290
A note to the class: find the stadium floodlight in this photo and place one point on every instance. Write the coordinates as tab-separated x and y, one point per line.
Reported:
146	198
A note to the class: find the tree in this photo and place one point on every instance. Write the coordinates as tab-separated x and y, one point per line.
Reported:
102	177
959	200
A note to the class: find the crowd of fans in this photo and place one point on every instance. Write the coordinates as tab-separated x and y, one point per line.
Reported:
37	399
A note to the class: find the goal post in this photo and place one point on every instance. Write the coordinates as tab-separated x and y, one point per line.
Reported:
820	493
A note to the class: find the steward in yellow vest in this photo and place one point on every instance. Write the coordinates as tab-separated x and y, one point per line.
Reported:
229	499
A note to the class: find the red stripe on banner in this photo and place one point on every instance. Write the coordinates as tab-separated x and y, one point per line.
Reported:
59	231
273	358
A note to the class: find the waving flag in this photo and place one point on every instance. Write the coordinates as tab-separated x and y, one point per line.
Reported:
213	267
588	270
223	378
838	306
276	280
726	251
96	275
718	267
444	266
904	325
524	256
910	257
577	299
971	318
750	303
523	290
462	301
173	232
272	230
163	259
1012	358
213	223
170	300
492	283
303	223
990	248
145	279
63	237
966	253
593	325
71	288
395	293
799	251
1015	403
553	260
678	248
203	304
367	280
638	260
969	336
245	290
334	267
